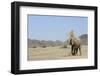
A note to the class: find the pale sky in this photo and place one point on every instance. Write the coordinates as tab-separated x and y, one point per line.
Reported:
43	27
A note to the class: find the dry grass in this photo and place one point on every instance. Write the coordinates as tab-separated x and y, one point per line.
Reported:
52	53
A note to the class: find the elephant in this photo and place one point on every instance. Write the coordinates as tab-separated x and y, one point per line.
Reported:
75	44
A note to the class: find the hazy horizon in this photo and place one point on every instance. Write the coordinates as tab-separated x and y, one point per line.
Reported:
48	40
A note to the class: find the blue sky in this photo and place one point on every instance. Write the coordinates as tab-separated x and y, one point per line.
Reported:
42	27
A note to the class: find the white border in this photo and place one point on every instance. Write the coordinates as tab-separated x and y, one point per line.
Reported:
24	64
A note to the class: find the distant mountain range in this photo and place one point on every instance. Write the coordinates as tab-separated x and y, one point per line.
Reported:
43	43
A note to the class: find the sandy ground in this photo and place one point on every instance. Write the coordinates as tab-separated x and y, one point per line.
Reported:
52	53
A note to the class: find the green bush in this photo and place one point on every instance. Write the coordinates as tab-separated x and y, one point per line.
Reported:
34	47
43	46
65	46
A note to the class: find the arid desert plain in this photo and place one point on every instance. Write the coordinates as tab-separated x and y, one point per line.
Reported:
53	53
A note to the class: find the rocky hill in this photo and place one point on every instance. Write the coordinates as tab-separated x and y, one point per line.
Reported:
84	39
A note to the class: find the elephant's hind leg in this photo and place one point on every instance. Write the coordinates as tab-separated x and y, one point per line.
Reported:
80	51
76	51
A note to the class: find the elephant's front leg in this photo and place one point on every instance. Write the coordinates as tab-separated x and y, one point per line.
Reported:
72	50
